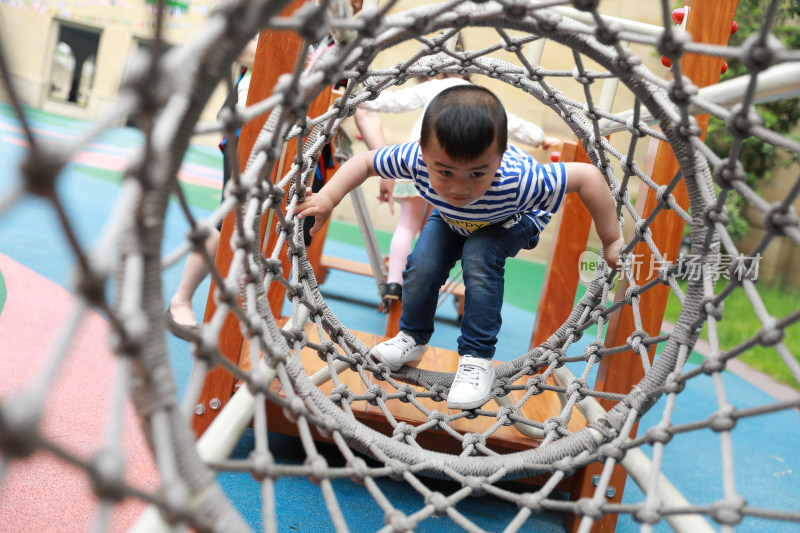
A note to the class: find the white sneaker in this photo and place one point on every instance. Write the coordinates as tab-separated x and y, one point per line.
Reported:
398	351
472	386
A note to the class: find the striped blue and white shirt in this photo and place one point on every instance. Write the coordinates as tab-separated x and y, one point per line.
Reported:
520	185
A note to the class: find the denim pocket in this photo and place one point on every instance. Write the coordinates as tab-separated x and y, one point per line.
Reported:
532	232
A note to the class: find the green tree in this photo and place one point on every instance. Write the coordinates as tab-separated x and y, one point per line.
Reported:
759	158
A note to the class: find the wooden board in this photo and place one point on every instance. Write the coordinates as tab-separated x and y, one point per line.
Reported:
504	440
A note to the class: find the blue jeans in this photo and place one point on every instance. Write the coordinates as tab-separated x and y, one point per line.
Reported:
483	257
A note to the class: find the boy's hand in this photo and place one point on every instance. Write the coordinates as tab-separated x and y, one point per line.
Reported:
317	205
611	253
386	193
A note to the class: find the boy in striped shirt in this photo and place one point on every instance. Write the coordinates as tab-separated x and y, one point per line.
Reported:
491	200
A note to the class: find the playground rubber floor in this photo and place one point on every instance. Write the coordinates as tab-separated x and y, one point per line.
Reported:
35	278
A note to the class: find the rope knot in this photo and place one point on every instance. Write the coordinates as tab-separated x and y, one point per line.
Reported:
273	266
476	484
437	416
535	383
636	339
592	114
532	501
293	335
341	393
729	172
176	502
402	430
576	388
555	357
723	420
741	122
547	24
360	469
438	393
729	512
566	465
500	388
107	475
92	285
595	348
642	229
611	450
399	522
659	433
262	463
712	365
770	335
586	5
637	130
439	503
554	424
777	219
649	514
376	395
671	44
674	384
760	55
663	196
406	393
504	413
608	34
589	507
318	467
627	60
665	271
581	77
294	409
710	309
398	469
326	347
473	439
41	170
682	94
514	11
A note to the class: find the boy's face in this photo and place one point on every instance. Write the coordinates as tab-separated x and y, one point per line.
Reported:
460	183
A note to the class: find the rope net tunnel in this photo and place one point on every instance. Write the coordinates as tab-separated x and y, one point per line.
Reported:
588	437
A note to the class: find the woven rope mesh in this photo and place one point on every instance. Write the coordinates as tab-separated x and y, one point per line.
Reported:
169	92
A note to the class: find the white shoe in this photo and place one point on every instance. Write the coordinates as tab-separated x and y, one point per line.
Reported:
398	351
472	386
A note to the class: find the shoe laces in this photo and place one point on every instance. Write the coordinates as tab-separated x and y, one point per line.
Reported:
403	341
470	374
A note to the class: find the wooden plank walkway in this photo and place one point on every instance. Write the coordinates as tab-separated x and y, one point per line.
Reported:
505	440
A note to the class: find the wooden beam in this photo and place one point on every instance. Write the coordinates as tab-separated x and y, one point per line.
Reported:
709	22
560	284
276	54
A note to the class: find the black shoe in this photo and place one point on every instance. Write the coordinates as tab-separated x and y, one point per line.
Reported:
392	291
187	333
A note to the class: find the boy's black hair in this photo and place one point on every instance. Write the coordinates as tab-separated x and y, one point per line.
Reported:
466	120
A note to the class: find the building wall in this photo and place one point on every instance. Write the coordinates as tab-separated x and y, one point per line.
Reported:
30	30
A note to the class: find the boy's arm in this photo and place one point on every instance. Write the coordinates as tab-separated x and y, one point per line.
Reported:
588	182
349	176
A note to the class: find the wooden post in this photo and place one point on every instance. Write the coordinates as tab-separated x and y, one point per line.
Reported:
268	66
710	22
560	284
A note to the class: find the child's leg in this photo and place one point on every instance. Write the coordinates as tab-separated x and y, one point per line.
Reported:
436	252
194	272
408	225
483	262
